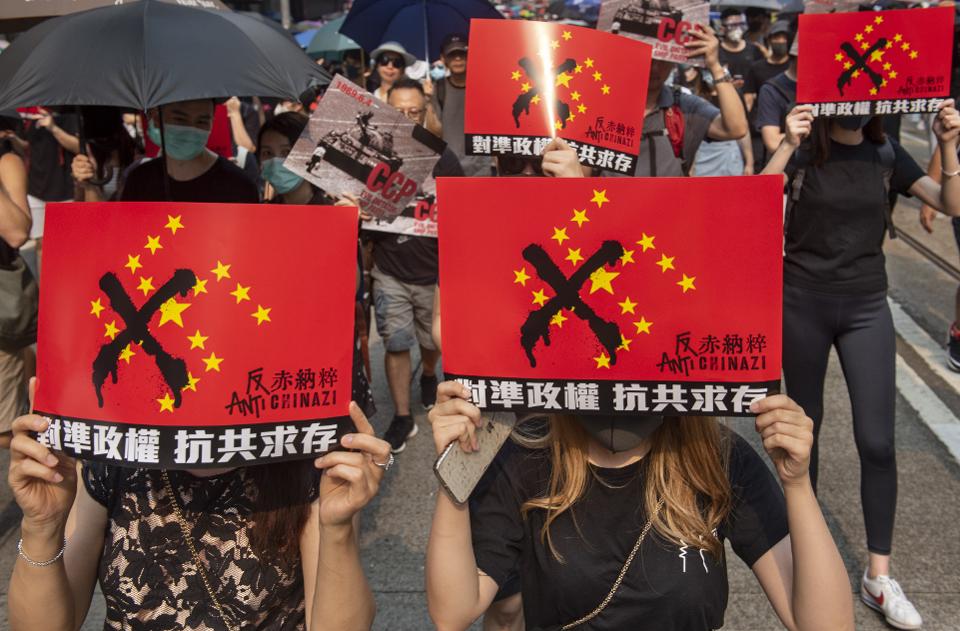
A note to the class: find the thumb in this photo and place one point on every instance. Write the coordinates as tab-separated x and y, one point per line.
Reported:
556	144
360	419
32	389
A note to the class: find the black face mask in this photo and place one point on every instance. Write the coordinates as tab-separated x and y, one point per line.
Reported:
853	123
779	49
619	433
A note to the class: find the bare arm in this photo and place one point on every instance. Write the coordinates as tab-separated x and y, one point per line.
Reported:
803	575
731	124
799	123
750	98
772	137
67	140
944	197
457	592
746	150
237	128
15	219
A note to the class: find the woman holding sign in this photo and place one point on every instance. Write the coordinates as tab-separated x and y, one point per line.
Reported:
620	523
835	294
262	547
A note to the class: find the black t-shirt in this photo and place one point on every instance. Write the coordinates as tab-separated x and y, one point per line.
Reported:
759	73
835	233
49	175
739	63
410	259
668	587
224	182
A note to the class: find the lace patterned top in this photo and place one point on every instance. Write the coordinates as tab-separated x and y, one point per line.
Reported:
147	574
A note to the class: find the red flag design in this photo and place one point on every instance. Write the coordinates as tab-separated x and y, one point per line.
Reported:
195	318
669	289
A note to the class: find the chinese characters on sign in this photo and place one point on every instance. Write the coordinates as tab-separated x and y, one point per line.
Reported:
663	24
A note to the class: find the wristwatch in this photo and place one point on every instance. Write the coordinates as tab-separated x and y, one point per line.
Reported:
726	78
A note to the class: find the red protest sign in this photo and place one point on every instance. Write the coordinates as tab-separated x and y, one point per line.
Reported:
597	300
196	334
530	81
665	26
870	63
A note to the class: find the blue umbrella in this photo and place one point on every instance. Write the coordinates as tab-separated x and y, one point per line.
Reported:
329	42
303	37
419	25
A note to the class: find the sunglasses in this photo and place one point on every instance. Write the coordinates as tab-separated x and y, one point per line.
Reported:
515	165
396	62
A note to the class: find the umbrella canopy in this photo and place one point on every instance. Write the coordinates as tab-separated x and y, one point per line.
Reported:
770	5
420	25
18	15
150	53
328	39
303	37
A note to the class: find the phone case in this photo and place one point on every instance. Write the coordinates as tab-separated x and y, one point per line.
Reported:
459	472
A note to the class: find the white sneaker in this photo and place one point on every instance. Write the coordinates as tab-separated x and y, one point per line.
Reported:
885	595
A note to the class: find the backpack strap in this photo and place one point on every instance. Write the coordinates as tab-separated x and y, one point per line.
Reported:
888	158
795	185
440	91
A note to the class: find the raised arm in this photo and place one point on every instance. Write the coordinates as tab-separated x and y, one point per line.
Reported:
457	592
945	195
803	575
15	219
799	123
731	124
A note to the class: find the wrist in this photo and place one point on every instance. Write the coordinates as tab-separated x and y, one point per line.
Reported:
40	536
337	534
716	69
797	484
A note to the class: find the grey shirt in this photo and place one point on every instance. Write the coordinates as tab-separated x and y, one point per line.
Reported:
660	159
451	117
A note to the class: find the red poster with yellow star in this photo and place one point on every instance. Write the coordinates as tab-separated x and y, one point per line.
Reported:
190	335
872	63
528	82
614	295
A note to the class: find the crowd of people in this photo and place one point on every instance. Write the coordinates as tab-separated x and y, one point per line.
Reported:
548	538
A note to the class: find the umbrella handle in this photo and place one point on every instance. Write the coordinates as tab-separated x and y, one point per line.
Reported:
426	36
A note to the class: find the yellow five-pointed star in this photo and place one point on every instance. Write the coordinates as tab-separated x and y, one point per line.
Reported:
597	76
580	217
578	69
567	35
153	244
166	403
574	256
213	362
588	62
563	79
521	276
200	287
666	262
865	45
525	87
96	307
554	44
914	54
571	117
687	282
262	315
197	340
646	242
581	109
241	293
602	361
171	311
146	285
600	198
536	99
643	326
575	95
558	319
627	257
624	343
877	55
539	297
221	271
858	37
905	46
560	235
873	91
893	74
605	89
868	28
111	330
847	66
558	124
878	19
193	382
133	263
515	75
127	353
898	37
173	223
838	56
627	306
602	279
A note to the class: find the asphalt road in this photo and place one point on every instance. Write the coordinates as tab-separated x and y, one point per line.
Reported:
927	537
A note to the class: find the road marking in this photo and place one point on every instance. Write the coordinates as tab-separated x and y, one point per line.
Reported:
932	352
929	407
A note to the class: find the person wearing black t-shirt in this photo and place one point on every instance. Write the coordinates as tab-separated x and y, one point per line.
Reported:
736	54
835	295
637	509
192	172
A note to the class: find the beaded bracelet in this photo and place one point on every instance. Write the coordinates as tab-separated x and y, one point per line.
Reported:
23	555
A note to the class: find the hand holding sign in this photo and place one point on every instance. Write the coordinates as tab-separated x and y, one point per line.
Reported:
798	125
787	434
454	418
946	125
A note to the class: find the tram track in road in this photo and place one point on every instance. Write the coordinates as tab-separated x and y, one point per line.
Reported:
931	256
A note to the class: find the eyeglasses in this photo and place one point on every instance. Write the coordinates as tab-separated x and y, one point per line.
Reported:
515	165
412	113
396	62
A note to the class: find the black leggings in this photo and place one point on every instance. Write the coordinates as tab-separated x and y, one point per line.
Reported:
861	328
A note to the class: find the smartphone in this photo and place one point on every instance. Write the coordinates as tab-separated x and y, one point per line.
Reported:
458	471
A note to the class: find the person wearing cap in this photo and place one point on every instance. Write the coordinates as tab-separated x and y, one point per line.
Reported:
392	60
450	96
778	43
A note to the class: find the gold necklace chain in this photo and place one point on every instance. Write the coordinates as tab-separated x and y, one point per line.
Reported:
623	572
193	552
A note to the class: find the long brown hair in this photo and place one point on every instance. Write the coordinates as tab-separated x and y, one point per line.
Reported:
686	467
280	507
819	143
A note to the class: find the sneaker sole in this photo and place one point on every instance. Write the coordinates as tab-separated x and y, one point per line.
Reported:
953	364
403	445
896	625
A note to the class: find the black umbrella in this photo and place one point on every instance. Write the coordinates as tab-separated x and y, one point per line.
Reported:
149	53
18	15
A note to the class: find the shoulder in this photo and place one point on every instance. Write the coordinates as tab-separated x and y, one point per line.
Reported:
448	165
693	105
104	482
745	465
230	173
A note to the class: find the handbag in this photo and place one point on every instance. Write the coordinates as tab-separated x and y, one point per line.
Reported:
19	302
